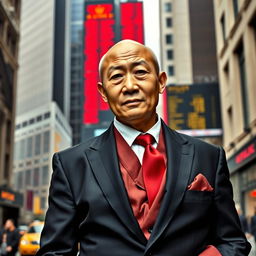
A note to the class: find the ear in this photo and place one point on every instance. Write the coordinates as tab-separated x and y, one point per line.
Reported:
162	78
102	92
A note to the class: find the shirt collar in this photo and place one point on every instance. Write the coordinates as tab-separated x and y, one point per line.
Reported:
130	134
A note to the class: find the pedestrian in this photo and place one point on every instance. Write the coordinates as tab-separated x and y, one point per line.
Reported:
140	188
243	220
9	239
253	224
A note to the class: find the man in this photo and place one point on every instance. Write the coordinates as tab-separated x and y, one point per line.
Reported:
243	220
253	224
121	194
9	239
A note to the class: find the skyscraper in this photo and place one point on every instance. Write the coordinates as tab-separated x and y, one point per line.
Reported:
76	78
44	55
42	123
188	41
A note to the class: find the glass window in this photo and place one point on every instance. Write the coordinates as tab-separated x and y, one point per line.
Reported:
31	121
46	143
38	118
36	177
45	175
168	7
29	146
169	54
47	115
35	228
168	22
28	177
253	25
24	124
235	7
43	203
168	39
243	83
38	144
170	71
20	180
22	149
223	27
17	150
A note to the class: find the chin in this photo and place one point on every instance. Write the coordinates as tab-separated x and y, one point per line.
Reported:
137	118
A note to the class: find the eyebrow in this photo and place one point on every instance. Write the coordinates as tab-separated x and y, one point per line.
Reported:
134	64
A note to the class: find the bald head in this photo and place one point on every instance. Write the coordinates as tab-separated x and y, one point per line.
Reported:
125	49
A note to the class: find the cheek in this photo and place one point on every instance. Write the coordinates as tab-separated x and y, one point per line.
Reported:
112	96
152	96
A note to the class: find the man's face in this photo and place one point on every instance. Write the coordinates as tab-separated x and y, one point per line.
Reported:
8	224
131	85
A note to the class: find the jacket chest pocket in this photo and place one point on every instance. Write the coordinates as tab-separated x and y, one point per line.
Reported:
192	196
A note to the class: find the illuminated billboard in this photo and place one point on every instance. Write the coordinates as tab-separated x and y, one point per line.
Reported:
194	109
131	20
98	38
100	33
243	156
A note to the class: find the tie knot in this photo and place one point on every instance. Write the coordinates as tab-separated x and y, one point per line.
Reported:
144	140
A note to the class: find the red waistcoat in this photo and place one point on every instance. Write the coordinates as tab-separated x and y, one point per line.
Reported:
132	176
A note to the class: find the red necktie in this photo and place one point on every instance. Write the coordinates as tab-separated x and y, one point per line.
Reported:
153	166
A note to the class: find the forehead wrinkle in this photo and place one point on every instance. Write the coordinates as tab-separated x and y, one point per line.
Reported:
133	65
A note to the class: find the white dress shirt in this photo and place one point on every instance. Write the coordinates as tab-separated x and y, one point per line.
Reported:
130	134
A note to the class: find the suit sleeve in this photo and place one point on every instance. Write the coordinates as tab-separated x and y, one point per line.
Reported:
59	235
230	240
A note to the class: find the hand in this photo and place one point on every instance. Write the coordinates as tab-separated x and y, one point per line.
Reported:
248	235
8	248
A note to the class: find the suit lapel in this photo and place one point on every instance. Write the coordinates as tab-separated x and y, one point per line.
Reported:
180	157
102	156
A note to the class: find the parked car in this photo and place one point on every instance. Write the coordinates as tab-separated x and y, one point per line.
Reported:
29	242
22	229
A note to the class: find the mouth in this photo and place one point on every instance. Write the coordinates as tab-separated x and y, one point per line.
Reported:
132	102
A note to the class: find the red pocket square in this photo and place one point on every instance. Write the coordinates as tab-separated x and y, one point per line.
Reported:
210	251
200	183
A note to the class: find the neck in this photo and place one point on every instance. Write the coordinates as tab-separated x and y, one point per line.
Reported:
140	126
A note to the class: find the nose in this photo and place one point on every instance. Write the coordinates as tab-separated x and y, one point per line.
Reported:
130	85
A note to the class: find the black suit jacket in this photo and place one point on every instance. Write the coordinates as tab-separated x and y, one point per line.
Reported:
88	203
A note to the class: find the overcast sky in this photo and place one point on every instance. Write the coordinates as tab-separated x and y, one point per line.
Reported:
151	21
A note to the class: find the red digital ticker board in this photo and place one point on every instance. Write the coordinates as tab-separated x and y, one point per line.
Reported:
99	36
131	19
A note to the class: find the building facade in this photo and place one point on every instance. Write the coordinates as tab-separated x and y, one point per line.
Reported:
235	23
44	56
76	78
189	58
43	99
9	41
188	41
175	41
39	134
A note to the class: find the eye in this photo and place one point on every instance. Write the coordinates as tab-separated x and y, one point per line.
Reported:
116	76
141	72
